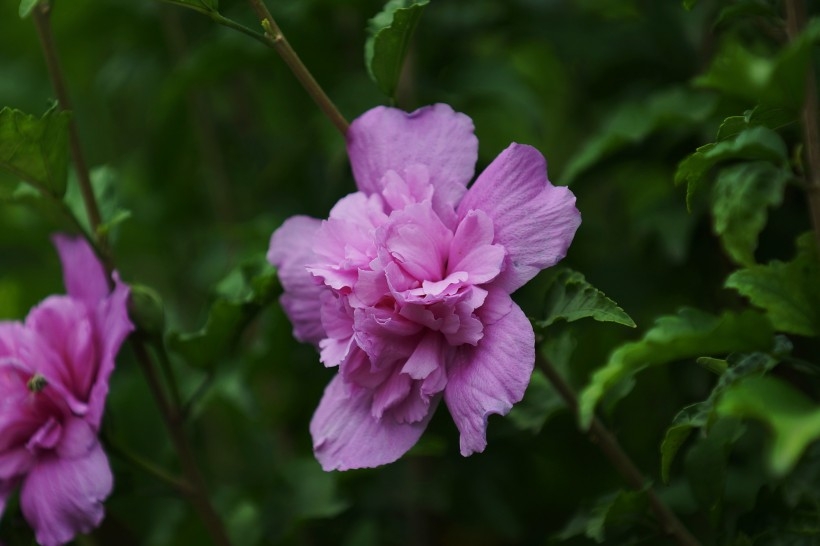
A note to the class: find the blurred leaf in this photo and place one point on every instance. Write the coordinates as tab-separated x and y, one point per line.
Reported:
26	7
740	198
106	183
707	463
773	117
698	415
36	150
541	400
755	143
611	514
791	416
770	80
788	292
688	334
745	8
689	4
389	37
571	297
313	491
635	121
241	295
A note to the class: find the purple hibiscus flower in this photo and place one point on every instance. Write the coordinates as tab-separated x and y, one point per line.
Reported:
54	371
406	287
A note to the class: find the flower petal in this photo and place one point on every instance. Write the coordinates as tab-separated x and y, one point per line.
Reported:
62	497
83	274
113	326
534	220
385	139
490	377
346	435
291	249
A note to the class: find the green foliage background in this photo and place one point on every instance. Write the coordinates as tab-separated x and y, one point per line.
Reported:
207	141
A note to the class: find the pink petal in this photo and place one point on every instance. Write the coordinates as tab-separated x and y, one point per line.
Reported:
67	327
291	249
534	220
83	274
387	139
472	250
346	435
113	326
63	497
490	377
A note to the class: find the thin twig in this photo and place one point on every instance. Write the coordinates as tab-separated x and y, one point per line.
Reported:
42	22
181	486
173	422
284	49
608	444
795	22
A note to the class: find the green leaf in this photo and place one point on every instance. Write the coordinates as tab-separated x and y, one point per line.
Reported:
688	334
611	514
241	295
788	292
689	4
36	150
635	121
707	463
740	198
745	8
571	297
106	183
388	41
699	415
773	117
26	7
792	417
755	143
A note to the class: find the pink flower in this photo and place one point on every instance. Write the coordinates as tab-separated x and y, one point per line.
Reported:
406	287
54	371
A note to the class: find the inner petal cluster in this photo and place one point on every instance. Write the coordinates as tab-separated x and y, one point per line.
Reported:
405	289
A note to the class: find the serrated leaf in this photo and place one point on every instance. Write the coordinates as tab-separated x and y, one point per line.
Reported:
741	195
36	149
698	415
755	143
788	292
26	7
240	297
635	121
389	37
688	334
570	297
792	418
773	117
707	462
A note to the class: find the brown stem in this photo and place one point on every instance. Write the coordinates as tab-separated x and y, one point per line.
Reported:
795	22
173	422
608	444
42	22
284	49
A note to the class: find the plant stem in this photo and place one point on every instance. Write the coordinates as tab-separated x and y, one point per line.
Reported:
795	22
608	444
197	493
148	467
173	422
278	42
42	22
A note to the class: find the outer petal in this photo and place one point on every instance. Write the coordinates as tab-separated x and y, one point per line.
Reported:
291	249
346	435
534	220
63	497
385	139
83	274
490	377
